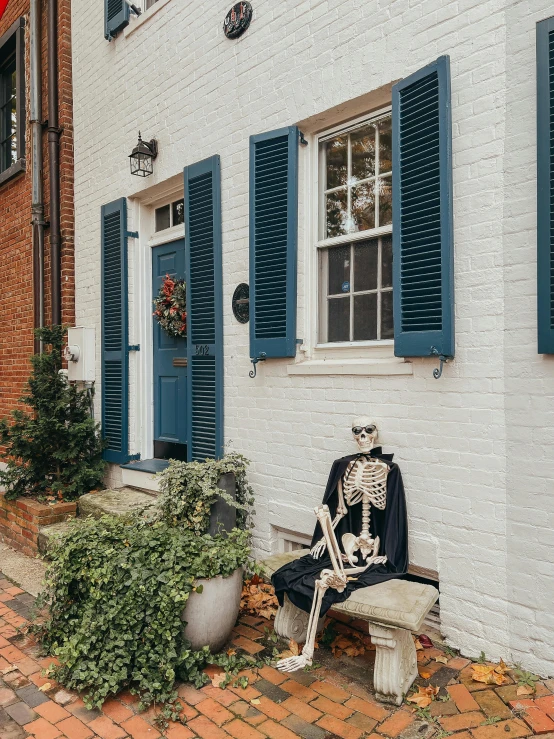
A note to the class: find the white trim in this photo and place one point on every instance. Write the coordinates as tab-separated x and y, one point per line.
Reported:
168	234
143	17
351	367
140	479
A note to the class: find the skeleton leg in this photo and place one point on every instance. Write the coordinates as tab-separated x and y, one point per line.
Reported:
291	664
324	518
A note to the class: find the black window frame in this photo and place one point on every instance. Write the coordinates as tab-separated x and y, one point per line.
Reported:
12	43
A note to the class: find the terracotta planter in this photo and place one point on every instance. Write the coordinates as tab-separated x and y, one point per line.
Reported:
211	614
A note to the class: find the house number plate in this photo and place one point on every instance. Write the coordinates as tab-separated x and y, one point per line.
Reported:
204	350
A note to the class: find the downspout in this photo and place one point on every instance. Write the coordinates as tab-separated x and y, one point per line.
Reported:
54	162
37	193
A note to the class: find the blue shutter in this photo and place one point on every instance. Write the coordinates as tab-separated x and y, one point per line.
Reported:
273	242
204	309
116	17
115	334
423	245
545	185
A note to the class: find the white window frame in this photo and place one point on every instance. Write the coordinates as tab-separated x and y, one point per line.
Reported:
374	357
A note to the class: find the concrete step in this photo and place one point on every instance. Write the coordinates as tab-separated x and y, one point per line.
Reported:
47	534
117	502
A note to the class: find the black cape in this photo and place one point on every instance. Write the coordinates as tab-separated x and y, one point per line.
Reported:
297	578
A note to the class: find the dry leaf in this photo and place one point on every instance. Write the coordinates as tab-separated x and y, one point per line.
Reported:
231	652
255	701
5	671
352	645
424	696
45	687
425	642
418	645
218	679
442	659
294	648
524	690
424	674
259	598
490	674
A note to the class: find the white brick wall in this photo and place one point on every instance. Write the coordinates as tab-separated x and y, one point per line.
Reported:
474	447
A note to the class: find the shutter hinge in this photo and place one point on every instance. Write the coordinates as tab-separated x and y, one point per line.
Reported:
133	348
437	372
262	356
132	234
303	140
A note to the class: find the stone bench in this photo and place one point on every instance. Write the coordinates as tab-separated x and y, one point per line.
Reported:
393	610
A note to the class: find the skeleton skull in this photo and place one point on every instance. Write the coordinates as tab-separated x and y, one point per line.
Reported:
365	433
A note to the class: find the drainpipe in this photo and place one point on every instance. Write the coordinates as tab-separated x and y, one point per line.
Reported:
37	193
54	161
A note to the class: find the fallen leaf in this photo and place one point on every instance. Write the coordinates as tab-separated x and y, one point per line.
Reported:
231	652
443	659
294	648
418	645
11	668
490	674
45	687
255	701
424	696
425	642
259	598
524	690
424	674
218	679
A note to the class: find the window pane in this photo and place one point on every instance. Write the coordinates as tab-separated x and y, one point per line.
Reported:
363	207
385	201
178	209
365	317
363	152
387	328
162	218
336	162
339	319
365	266
339	270
336	205
385	145
386	261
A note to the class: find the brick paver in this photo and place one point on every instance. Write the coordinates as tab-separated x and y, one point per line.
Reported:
327	702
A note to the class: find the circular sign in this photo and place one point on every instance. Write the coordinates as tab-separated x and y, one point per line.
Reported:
241	303
345	287
237	19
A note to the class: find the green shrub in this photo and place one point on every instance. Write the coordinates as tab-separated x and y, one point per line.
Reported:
56	448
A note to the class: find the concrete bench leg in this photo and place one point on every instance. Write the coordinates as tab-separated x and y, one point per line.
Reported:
292	623
395	662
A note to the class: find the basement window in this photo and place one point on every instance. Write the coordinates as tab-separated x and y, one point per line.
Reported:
12	102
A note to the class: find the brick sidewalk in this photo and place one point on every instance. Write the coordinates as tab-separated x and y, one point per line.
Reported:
331	701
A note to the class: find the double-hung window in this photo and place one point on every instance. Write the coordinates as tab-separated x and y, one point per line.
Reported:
12	102
355	232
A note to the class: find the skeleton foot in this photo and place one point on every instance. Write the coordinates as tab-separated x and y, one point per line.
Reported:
292	664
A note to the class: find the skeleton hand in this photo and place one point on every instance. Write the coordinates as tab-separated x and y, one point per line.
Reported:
318	549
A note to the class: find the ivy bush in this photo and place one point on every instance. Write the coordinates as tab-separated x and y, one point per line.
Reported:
116	589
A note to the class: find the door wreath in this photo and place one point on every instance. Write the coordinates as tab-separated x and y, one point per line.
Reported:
171	307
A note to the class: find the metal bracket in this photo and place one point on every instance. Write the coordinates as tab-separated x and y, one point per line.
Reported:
261	358
134	457
437	372
134	348
132	234
303	140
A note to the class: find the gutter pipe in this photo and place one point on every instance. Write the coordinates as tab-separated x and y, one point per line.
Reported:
54	161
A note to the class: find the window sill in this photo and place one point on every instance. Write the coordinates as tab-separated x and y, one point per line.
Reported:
364	367
16	169
143	17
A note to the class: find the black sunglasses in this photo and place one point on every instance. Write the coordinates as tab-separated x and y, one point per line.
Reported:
358	429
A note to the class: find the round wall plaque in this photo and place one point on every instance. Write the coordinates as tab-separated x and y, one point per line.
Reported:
237	19
241	303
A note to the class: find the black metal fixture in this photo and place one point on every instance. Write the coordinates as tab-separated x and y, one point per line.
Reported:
237	20
142	157
241	303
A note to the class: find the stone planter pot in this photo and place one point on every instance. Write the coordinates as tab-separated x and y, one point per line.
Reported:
211	614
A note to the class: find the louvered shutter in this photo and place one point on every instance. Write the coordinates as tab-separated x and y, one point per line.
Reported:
116	17
545	185
423	249
115	339
273	242
204	309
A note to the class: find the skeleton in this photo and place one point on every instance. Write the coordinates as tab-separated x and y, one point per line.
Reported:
365	480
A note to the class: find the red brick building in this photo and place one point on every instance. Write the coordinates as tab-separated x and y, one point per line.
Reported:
21	263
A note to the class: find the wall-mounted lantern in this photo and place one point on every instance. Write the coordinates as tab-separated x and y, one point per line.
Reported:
142	157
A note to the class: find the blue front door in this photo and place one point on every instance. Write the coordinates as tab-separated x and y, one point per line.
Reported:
170	364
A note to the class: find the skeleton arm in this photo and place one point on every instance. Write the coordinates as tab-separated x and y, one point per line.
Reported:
318	549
